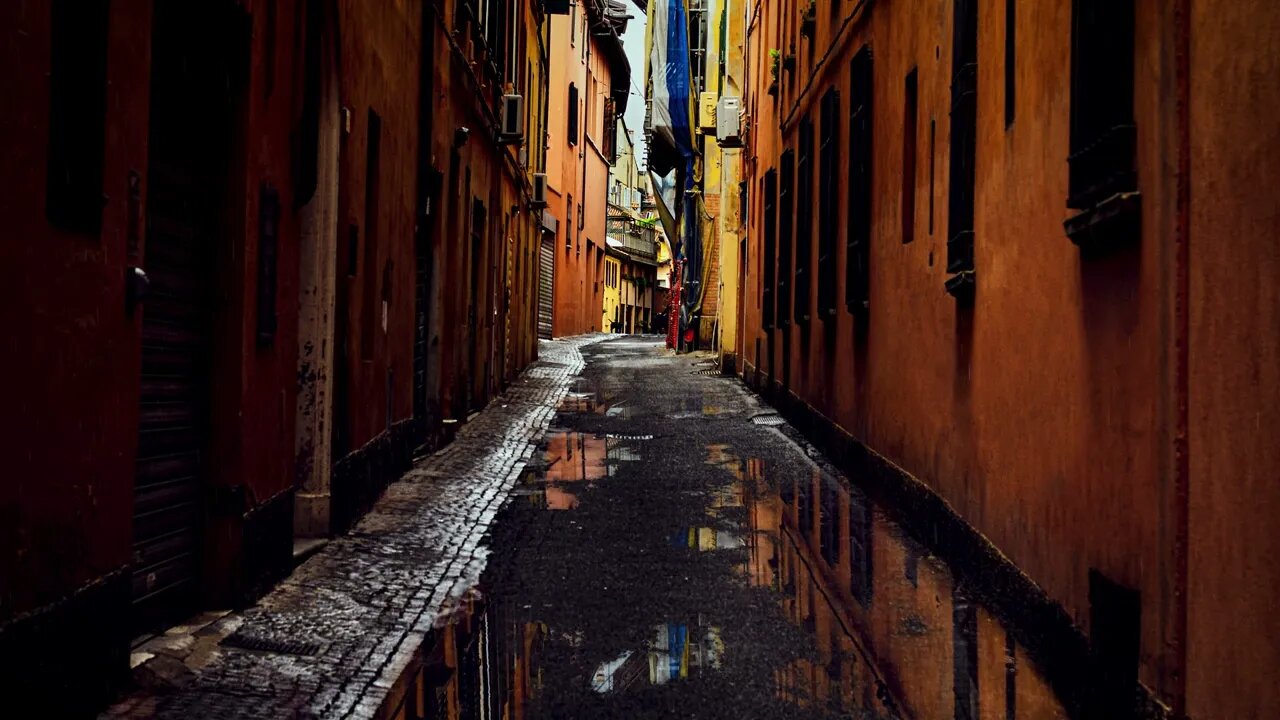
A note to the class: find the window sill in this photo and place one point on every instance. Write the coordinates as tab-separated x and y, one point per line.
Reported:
1112	223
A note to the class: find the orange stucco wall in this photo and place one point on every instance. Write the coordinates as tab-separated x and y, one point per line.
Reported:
577	174
1233	644
1046	414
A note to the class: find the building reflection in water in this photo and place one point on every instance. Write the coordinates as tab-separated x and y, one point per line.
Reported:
894	636
572	458
676	652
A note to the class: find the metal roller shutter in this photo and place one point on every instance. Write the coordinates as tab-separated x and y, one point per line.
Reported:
546	295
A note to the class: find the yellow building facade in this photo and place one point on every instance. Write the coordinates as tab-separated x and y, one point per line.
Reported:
722	76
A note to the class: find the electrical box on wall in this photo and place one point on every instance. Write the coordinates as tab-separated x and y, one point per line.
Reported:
729	122
707	112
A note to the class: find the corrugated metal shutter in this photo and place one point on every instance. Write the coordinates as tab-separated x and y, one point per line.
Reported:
546	296
174	398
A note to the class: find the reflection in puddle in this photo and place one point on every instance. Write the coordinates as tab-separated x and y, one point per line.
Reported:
676	652
573	458
584	399
890	634
894	636
703	539
557	498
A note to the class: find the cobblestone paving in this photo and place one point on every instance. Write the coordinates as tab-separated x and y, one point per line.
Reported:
365	602
679	551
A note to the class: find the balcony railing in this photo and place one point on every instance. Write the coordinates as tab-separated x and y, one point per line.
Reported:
637	239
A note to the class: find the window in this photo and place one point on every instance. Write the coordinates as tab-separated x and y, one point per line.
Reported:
858	253
910	109
307	149
770	254
828	202
1010	52
590	102
964	126
568	223
697	44
372	202
1103	132
933	136
804	221
269	53
786	216
77	114
610	131
495	34
573	114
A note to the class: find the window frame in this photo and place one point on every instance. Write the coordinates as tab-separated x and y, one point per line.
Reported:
861	149
76	154
828	200
1102	160
962	180
769	255
573	129
786	219
803	277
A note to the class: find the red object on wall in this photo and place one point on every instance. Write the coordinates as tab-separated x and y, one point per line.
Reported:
673	305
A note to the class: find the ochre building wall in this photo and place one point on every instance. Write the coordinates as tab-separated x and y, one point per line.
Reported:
1046	414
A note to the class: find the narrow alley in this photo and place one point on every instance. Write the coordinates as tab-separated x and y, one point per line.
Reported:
626	533
514	359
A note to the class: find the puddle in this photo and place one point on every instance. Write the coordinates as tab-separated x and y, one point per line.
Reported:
887	632
575	457
704	539
575	460
892	630
676	652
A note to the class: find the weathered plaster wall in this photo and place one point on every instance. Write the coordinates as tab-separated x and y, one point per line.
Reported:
1233	640
1040	414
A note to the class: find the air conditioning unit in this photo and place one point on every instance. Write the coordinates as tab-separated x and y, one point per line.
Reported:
511	119
707	111
729	122
539	190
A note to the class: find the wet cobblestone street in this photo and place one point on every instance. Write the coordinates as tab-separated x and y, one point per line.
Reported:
676	552
670	548
352	619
